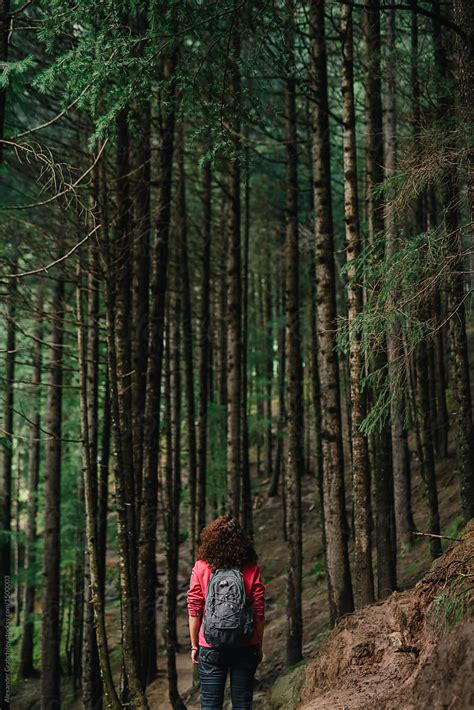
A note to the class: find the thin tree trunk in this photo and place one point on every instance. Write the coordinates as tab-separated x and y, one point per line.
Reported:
141	284
77	612
364	581
6	479
401	494
463	425
5	21
18	540
91	682
182	229
384	512
96	650
294	469
234	292
26	669
281	347
464	16
147	562
426	427
337	558
173	494
247	518
103	485
205	343
50	635
268	373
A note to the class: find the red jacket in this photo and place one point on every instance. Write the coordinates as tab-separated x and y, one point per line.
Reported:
198	584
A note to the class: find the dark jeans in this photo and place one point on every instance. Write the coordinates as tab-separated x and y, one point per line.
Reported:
213	666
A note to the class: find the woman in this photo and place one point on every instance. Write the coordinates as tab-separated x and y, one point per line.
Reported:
225	547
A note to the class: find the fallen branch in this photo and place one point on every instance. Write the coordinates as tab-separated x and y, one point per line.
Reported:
441	537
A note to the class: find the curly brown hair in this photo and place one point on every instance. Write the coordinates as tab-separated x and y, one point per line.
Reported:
225	544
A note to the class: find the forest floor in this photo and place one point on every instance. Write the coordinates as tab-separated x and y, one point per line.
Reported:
268	523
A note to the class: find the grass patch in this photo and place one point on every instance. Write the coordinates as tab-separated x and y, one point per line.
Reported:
318	571
454	603
453	531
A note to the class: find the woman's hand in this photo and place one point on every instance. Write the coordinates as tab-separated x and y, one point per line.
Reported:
194	655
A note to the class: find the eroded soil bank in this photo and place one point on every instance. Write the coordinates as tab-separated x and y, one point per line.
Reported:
414	650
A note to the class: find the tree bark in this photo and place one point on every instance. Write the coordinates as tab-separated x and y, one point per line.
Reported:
463	425
205	345
337	558
281	348
147	562
384	511
294	469
364	581
173	494
182	229
4	37
91	682
234	292
140	290
95	650
50	635
247	517
116	312
26	669
268	372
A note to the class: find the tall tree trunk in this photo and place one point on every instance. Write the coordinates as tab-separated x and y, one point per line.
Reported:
247	518
294	469
5	21
182	229
462	405
438	345
384	512
77	610
281	348
18	540
337	557
464	17
234	291
205	344
427	421
123	389
140	290
173	494
26	669
91	682
428	462
268	373
401	494
6	485
103	485
364	581
50	635
147	562
96	649
114	308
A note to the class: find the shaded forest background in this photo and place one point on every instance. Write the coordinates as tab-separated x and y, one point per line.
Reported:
236	262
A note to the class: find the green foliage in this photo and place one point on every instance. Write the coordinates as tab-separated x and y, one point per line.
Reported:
318	570
454	603
452	531
399	287
13	69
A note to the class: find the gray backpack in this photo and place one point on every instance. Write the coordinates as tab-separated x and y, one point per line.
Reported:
228	619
